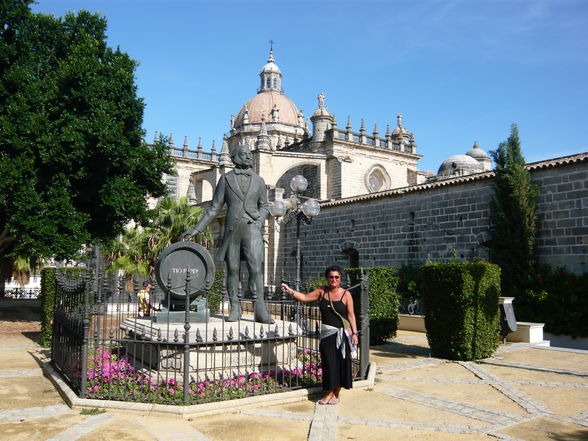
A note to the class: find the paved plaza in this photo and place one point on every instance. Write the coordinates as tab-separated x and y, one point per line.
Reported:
522	393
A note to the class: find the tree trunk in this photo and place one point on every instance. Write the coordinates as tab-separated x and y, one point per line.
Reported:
5	273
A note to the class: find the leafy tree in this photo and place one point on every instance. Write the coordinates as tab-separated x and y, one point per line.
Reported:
136	250
513	212
73	166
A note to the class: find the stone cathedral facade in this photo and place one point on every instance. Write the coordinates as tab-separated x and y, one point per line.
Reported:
343	167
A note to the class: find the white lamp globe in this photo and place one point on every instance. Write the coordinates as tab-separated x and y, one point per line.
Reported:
277	208
298	184
311	208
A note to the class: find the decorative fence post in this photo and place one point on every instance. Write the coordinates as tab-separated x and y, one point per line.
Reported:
364	319
187	340
85	338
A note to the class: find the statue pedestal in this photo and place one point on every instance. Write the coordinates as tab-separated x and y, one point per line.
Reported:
163	317
216	349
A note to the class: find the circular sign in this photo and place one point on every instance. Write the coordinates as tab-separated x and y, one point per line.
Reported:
184	268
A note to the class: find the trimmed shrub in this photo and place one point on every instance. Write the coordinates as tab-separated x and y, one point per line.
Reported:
462	316
48	291
383	302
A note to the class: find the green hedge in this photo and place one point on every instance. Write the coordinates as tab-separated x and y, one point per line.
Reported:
48	290
383	302
462	316
556	297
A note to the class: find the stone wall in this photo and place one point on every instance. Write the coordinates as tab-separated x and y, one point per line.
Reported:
563	215
443	221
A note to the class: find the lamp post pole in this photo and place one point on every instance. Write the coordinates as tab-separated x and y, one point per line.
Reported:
293	209
298	257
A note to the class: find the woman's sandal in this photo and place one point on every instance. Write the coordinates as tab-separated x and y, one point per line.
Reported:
325	401
333	401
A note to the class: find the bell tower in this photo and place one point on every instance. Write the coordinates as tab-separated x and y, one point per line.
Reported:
270	75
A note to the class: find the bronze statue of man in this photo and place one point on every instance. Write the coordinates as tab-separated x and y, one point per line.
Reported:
245	194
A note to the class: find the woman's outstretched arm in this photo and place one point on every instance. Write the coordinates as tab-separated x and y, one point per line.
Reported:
301	297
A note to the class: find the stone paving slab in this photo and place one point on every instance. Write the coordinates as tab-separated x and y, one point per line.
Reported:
429	370
94	423
39	429
28	392
34	412
179	432
377	404
324	424
514	372
246	427
546	429
18	373
19	357
481	395
547	358
562	402
348	432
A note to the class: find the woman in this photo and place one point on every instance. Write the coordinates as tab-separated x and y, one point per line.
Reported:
334	345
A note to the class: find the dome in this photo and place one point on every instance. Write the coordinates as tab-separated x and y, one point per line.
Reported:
399	130
263	103
321	111
459	165
271	67
477	153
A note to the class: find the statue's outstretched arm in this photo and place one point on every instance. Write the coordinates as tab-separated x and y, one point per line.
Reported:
218	200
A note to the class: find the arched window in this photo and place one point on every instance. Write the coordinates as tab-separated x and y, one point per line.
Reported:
267	82
353	256
275	83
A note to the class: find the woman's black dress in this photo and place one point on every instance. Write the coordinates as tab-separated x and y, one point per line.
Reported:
336	369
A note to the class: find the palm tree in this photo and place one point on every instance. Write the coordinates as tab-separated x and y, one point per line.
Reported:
17	268
136	250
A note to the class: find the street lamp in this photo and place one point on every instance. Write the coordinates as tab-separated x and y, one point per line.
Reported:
292	209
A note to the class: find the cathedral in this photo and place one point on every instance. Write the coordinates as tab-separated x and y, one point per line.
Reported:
338	162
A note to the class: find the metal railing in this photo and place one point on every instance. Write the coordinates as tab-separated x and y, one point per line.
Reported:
22	293
105	349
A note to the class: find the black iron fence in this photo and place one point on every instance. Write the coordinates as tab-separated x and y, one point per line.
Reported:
106	348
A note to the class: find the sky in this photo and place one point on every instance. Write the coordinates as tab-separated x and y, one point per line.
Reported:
458	70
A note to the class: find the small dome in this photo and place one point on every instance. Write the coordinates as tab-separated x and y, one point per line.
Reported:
399	130
271	67
262	105
477	153
321	111
459	165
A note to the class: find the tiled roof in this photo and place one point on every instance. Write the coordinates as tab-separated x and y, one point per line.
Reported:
556	162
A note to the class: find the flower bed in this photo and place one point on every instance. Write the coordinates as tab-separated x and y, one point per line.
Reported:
111	376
